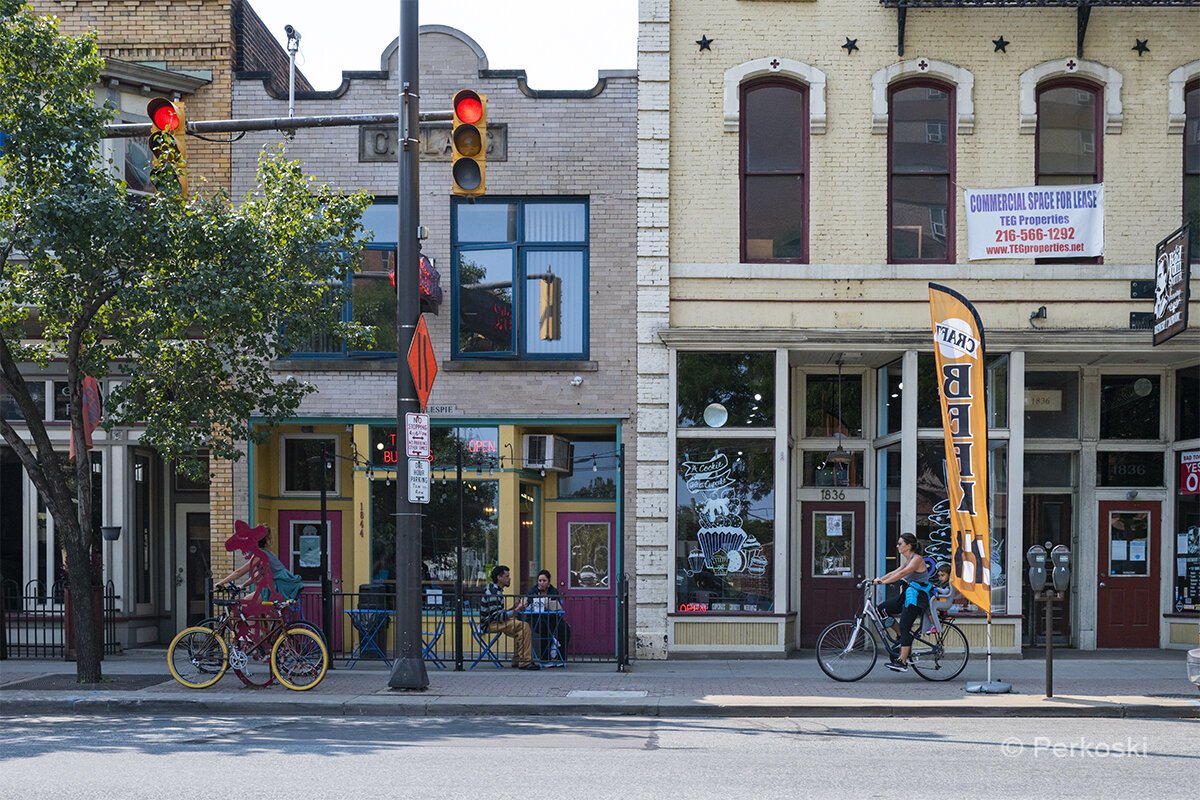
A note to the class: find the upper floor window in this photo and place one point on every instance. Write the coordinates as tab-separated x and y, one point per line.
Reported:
774	162
520	278
1069	138
1191	167
921	168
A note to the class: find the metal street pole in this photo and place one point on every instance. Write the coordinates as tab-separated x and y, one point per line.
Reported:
326	582
458	563
408	671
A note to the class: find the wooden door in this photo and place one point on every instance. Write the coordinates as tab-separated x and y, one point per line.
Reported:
587	577
832	562
1127	585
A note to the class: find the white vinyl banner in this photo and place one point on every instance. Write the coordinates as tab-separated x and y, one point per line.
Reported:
1035	222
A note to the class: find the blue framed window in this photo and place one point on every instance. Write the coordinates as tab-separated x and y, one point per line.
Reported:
520	278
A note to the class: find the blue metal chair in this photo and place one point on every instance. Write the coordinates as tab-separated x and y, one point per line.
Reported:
369	623
482	639
433	617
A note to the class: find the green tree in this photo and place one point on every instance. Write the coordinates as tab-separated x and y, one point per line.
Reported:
188	300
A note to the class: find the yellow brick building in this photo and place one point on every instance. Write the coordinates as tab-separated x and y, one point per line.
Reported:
802	174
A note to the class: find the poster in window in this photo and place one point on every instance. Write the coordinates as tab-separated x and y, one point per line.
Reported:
309	547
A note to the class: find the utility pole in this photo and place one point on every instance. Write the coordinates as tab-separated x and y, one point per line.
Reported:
408	670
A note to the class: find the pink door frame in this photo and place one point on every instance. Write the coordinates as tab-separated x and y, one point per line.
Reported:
590	611
311	593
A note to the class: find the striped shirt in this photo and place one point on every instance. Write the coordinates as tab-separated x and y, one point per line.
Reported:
491	606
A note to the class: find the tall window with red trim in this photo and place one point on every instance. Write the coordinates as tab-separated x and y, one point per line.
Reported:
774	164
920	173
1070	138
1191	166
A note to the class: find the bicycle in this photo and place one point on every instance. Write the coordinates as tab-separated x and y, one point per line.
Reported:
292	613
847	649
199	656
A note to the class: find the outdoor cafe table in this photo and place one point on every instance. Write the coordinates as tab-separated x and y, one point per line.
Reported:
546	624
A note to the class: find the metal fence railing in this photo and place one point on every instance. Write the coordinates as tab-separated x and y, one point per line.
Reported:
589	628
33	620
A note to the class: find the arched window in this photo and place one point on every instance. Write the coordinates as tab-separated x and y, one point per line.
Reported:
1070	137
774	167
1191	166
921	130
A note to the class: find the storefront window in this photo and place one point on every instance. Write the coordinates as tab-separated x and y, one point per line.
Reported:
725	526
997	391
1051	405
929	409
439	533
933	510
480	447
718	390
1125	468
1185	588
1050	470
820	471
833	405
889	504
1129	406
8	404
891	388
302	467
594	476
1187	406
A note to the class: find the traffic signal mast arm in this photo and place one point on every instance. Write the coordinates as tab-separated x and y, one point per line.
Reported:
124	130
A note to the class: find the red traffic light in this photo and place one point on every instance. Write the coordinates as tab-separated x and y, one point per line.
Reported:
164	114
468	107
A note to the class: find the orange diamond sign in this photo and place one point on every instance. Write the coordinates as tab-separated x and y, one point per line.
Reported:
422	363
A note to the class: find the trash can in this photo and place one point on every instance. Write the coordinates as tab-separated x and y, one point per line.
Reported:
1193	667
378	597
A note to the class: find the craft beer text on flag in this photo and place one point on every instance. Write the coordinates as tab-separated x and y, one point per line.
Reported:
958	352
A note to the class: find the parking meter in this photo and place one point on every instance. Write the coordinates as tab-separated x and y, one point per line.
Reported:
1036	556
1061	558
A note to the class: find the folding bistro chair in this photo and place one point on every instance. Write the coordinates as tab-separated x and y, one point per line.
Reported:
369	623
486	641
433	625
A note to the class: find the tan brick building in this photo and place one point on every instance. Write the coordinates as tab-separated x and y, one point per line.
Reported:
800	184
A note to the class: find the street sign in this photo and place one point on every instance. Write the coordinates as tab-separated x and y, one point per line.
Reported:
416	435
422	363
419	472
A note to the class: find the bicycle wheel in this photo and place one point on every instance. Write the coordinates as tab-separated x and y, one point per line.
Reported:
197	658
255	672
251	664
299	659
846	650
941	658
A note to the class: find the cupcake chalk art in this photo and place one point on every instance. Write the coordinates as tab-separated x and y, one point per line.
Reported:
725	547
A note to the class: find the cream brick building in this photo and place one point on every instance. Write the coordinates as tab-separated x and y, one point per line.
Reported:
1090	423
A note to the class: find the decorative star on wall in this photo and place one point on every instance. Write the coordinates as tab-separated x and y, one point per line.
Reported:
1141	47
850	46
1001	45
705	42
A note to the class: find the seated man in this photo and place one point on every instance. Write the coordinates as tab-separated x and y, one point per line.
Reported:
493	617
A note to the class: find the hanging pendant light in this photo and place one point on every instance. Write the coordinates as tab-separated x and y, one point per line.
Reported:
840	456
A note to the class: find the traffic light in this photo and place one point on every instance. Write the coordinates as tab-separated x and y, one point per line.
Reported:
168	144
550	308
468	141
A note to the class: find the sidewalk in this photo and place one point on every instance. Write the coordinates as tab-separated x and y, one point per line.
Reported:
1109	684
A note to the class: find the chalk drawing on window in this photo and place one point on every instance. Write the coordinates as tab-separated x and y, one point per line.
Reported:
724	546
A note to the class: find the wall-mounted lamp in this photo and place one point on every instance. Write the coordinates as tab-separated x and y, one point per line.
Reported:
1131	494
1039	314
577	380
110	532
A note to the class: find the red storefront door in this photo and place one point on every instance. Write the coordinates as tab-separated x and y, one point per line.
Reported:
1127	586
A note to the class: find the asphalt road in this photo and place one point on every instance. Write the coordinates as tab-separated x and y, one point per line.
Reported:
563	757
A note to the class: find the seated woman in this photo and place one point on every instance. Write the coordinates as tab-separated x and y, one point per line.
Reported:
542	598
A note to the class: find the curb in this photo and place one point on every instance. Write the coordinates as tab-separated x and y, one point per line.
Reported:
390	706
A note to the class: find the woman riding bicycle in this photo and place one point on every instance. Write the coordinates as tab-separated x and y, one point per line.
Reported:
909	604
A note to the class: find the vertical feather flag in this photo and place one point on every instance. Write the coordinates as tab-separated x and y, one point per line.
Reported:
958	352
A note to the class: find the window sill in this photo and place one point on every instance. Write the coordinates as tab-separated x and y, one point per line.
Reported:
339	364
489	365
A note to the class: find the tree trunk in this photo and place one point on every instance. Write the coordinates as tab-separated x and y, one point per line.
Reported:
88	647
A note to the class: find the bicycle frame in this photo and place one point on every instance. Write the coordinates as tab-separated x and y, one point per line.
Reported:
870	612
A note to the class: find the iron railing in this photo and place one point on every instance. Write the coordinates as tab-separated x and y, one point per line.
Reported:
33	620
592	629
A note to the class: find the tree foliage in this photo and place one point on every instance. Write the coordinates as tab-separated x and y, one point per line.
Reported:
187	302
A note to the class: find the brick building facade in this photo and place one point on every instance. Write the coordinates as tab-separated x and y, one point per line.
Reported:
1091	423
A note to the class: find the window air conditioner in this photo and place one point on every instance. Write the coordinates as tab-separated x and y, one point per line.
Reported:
551	453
